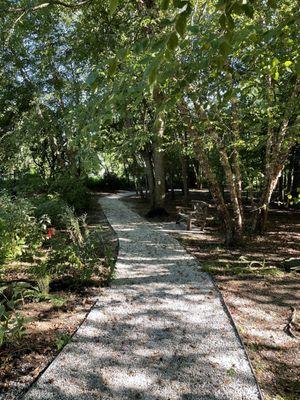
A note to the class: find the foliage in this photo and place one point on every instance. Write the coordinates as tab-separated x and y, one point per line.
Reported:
76	226
72	190
52	206
109	181
62	339
72	260
20	231
110	263
215	82
12	324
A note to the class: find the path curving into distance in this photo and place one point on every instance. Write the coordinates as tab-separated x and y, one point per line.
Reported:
159	333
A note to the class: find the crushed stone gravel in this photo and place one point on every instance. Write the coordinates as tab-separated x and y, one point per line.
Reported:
159	332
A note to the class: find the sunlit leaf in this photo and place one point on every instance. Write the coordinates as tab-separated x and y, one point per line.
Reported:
113	4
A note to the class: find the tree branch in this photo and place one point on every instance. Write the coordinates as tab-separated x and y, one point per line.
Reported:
48	4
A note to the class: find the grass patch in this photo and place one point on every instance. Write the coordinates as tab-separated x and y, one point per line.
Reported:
241	266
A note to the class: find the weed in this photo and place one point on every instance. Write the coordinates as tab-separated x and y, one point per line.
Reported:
62	339
110	263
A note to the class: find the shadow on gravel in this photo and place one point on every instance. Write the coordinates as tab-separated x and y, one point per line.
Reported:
160	333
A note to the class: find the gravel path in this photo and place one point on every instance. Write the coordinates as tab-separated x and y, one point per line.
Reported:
159	333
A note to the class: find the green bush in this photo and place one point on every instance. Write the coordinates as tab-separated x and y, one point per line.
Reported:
109	181
71	253
72	191
51	205
25	185
20	231
76	226
71	257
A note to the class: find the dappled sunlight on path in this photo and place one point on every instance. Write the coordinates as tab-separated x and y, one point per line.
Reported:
159	333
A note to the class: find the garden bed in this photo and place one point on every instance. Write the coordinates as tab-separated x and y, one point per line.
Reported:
52	321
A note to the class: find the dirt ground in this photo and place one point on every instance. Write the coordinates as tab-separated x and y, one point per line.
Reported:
261	296
51	326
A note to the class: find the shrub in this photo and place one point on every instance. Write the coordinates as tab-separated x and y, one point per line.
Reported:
25	185
109	181
72	190
19	229
51	205
74	260
76	226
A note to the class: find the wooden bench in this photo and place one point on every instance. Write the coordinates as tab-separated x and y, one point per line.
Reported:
198	213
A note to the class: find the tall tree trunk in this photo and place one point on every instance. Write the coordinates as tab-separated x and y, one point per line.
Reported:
235	196
158	161
198	174
295	187
261	216
172	185
216	192
278	148
150	177
160	178
184	172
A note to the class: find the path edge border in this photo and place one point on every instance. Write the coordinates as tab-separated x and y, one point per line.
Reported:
21	395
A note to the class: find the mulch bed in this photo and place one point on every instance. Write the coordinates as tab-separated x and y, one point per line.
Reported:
261	303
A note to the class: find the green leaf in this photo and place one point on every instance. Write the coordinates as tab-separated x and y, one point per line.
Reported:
287	63
113	4
297	68
164	5
112	66
230	23
223	21
225	48
193	29
91	78
275	62
172	42
276	75
152	75
180	24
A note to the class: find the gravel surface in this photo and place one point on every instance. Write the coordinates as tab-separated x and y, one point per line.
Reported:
159	333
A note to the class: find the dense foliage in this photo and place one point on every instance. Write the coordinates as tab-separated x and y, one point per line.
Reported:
150	90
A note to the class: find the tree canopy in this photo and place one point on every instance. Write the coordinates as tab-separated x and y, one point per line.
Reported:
143	82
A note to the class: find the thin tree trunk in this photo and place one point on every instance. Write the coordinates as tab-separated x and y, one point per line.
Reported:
234	196
150	178
172	185
277	150
160	178
216	192
261	216
295	187
184	172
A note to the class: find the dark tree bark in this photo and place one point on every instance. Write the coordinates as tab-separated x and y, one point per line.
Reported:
184	172
295	187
